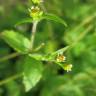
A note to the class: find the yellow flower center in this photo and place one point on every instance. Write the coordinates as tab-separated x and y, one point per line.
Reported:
60	58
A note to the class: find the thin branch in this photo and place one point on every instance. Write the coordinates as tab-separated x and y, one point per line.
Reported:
10	79
10	56
86	21
39	47
81	36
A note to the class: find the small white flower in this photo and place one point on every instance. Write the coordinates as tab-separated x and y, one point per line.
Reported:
60	57
68	67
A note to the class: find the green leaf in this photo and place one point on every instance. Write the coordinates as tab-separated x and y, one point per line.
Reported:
13	88
16	41
54	18
60	50
25	20
45	16
32	72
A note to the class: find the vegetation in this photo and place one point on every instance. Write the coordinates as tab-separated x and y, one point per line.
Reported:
47	47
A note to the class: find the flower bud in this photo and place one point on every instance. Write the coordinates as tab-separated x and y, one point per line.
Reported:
37	1
35	12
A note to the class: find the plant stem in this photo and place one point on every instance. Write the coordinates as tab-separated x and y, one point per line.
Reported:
9	56
33	34
81	36
10	79
39	47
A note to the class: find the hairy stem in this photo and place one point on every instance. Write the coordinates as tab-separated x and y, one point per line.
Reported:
33	34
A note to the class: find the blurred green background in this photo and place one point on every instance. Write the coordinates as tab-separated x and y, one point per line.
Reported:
80	16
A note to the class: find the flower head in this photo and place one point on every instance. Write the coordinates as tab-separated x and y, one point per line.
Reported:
35	12
60	58
68	67
37	1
